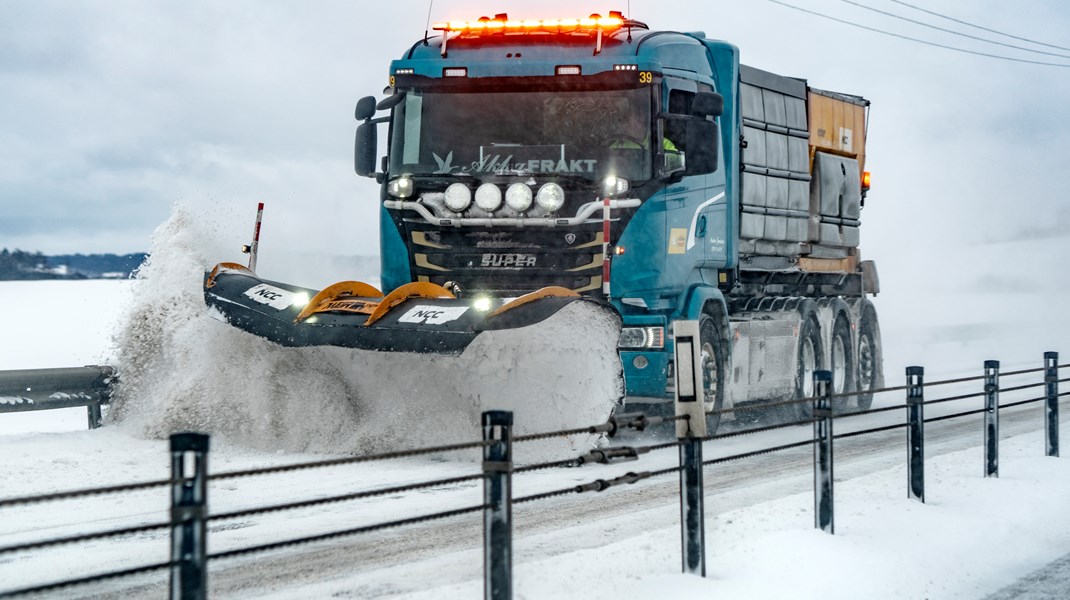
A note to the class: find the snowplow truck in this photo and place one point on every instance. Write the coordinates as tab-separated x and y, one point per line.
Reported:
530	164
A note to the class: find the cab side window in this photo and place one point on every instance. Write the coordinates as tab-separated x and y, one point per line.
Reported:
675	129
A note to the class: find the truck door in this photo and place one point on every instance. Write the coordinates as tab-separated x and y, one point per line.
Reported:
697	226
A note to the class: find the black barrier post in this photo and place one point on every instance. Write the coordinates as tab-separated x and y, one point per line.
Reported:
498	498
94	414
1051	405
690	401
691	507
991	418
189	501
916	433
823	507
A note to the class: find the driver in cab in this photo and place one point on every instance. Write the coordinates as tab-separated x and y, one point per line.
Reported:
635	134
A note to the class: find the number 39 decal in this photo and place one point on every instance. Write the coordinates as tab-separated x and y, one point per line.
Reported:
646	77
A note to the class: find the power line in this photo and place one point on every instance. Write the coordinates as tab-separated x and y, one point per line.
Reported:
951	31
927	43
960	21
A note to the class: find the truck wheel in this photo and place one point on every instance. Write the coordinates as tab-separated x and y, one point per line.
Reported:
869	356
841	363
809	360
713	368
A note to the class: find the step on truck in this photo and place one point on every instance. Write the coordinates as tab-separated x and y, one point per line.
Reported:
533	163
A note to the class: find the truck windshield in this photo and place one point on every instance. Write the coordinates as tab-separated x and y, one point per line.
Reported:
588	134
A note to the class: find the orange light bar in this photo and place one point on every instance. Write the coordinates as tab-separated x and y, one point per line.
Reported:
593	22
865	180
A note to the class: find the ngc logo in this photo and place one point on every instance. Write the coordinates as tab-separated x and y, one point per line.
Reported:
508	260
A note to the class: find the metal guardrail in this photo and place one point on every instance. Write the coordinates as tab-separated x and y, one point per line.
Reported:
189	515
66	387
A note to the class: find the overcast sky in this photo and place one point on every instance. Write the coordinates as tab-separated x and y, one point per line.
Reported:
112	111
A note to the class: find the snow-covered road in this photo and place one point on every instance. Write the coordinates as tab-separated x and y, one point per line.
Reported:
975	536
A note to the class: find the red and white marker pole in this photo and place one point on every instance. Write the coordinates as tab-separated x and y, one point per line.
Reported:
256	237
605	247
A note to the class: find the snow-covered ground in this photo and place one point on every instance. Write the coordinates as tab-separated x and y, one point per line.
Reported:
973	537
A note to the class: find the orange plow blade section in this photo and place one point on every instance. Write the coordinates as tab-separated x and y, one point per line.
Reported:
417	317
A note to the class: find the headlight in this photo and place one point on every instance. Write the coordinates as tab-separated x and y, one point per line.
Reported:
400	187
458	197
550	197
642	337
488	197
518	197
614	186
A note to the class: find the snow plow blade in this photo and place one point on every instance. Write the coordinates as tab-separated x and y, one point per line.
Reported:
417	317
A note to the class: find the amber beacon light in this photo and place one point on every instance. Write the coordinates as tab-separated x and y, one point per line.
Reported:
502	23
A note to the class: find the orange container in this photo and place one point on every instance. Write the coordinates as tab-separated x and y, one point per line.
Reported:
837	125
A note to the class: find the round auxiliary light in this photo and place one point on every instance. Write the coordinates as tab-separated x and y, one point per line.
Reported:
458	197
518	197
400	187
614	186
488	197
550	197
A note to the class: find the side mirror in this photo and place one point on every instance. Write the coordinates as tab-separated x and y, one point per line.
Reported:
703	140
365	149
365	108
391	101
707	104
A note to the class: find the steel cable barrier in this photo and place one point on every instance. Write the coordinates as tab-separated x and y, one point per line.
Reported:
189	515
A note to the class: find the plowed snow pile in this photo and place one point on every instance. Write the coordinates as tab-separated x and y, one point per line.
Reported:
181	370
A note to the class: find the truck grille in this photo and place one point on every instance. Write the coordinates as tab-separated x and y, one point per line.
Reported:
509	262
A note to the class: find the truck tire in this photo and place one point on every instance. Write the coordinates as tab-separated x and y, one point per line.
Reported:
810	358
713	370
842	362
870	361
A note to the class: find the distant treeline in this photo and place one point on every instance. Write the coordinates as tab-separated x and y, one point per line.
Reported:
18	264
